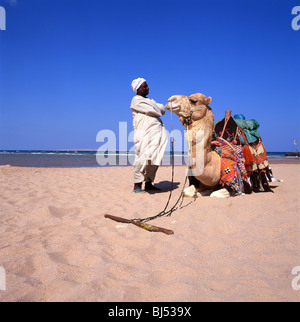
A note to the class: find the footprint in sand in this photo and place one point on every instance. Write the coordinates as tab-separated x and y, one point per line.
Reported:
61	212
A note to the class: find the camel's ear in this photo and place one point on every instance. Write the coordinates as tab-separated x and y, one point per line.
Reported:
208	100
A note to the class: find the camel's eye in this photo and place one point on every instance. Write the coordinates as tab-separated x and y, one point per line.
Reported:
193	101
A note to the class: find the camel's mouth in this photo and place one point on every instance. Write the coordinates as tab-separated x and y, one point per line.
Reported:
173	105
172	108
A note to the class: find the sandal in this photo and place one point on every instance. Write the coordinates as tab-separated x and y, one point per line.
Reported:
138	191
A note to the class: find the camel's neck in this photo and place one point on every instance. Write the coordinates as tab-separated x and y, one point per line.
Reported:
206	124
201	134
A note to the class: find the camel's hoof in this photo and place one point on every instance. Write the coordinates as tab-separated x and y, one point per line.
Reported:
190	192
222	193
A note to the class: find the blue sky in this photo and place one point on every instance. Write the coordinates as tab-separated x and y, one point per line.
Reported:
66	65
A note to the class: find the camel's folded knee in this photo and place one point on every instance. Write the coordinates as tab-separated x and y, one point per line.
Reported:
191	192
222	193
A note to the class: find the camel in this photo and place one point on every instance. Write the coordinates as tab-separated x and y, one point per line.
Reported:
195	114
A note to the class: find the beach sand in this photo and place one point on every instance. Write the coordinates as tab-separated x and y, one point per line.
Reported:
56	245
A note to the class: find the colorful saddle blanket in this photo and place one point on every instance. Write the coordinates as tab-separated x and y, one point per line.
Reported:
233	171
259	154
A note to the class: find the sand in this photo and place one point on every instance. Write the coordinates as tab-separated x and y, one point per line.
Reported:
56	245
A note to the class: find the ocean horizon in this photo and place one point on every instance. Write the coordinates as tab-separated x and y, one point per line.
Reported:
94	158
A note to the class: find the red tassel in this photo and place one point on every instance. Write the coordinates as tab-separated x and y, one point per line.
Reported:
248	156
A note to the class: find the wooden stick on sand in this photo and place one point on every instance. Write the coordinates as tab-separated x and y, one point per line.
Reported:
141	225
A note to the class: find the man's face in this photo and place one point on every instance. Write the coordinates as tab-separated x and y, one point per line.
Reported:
143	90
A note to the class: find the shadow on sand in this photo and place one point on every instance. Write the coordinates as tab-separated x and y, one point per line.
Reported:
165	186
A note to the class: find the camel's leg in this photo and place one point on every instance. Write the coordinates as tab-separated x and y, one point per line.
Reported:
194	182
197	189
221	193
190	192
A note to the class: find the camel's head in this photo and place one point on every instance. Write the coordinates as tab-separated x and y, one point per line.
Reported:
189	108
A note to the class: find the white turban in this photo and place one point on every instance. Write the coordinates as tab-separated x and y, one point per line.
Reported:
137	83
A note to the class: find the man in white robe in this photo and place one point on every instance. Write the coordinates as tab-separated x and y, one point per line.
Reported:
150	137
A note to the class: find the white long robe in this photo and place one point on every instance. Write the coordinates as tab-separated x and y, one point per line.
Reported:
150	137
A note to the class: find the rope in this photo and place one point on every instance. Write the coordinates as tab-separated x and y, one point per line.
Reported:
164	212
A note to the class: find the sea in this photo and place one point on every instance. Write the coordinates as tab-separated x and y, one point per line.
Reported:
91	159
